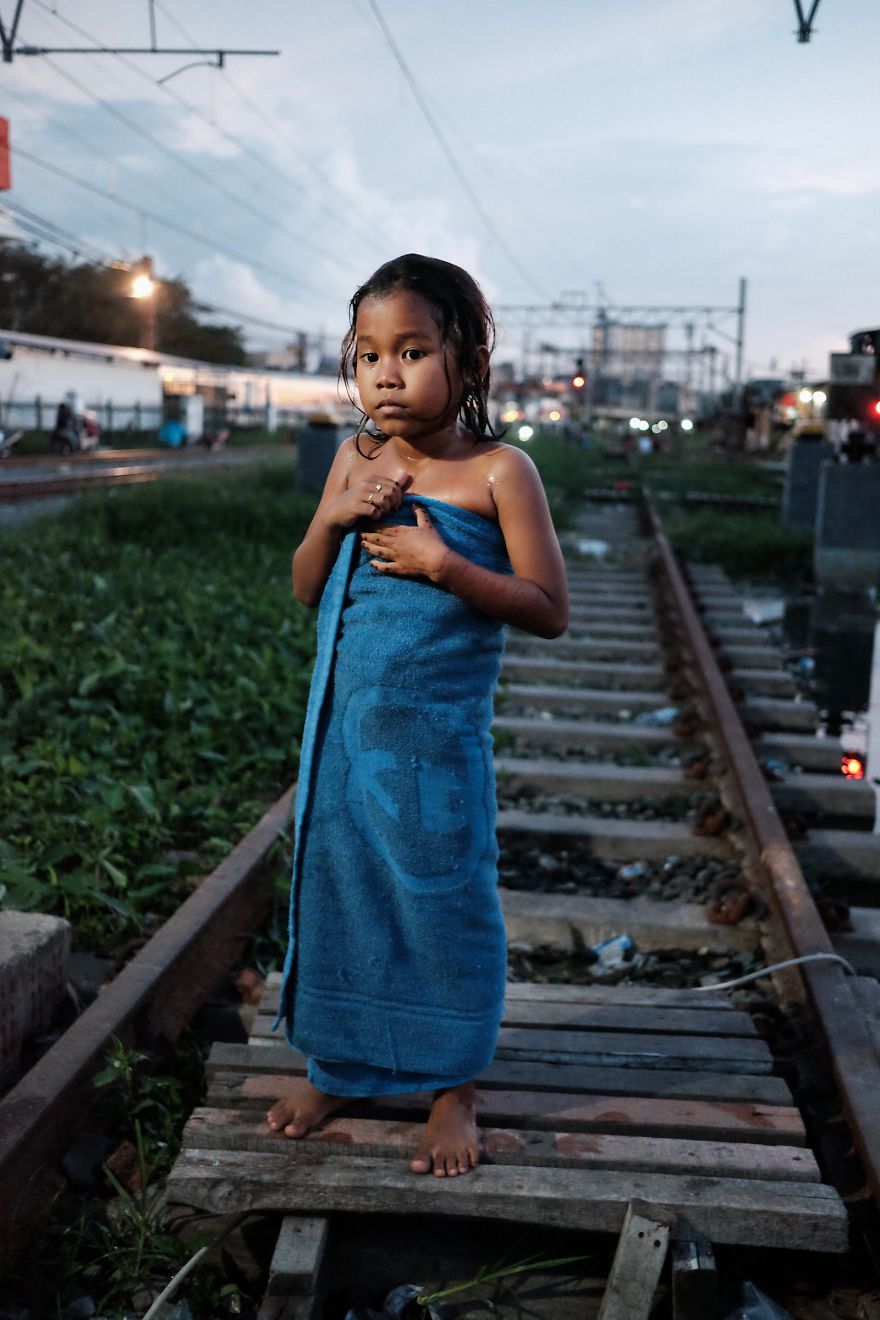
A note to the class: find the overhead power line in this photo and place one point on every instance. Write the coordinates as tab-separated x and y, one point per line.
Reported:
447	150
253	262
48	231
246	149
187	165
8	36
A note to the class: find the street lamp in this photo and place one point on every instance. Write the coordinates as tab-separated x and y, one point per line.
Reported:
143	288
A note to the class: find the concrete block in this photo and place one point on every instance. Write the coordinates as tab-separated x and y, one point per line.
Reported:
34	950
861	945
800	498
847	547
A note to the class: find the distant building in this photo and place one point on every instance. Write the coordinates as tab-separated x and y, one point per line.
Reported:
627	363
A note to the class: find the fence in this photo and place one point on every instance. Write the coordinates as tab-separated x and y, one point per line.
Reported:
39	415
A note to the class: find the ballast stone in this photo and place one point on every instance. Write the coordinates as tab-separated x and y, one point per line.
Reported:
34	953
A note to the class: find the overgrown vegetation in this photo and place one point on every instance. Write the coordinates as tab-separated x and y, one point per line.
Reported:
568	472
725	474
153	676
47	295
114	1243
753	545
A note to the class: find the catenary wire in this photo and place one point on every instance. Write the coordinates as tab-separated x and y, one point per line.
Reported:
272	125
244	148
195	170
48	231
451	158
253	262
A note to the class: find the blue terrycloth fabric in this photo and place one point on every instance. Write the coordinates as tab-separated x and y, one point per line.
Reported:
395	971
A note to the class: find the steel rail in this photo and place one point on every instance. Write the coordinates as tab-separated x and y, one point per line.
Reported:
46	487
126	474
854	1061
155	994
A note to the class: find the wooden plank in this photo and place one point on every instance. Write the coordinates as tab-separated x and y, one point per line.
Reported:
635	1049
238	1129
617	839
635	1271
805	1216
587	698
510	1075
299	1250
544	1110
563	992
648	996
595	1017
586	733
591	673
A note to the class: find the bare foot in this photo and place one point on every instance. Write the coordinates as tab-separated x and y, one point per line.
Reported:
450	1144
304	1109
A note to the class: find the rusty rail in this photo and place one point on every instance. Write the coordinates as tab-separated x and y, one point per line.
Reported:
850	1049
158	991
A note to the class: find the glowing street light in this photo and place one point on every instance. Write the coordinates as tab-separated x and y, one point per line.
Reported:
142	286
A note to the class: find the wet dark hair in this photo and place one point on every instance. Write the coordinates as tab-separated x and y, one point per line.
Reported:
463	318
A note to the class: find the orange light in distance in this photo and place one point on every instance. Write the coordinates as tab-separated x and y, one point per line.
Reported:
853	767
578	382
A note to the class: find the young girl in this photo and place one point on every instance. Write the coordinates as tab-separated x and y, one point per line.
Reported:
429	536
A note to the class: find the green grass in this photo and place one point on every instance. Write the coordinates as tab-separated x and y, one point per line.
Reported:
154	669
754	544
568	472
722	475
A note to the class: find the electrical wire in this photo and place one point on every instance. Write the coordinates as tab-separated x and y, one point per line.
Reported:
776	967
448	152
48	231
272	125
244	148
42	228
60	127
253	262
187	165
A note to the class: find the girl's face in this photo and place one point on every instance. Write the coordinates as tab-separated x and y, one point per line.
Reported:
408	383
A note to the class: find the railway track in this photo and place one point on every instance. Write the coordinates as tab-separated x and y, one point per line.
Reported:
621	1100
45	477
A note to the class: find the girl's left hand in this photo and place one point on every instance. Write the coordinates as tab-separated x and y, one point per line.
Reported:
418	551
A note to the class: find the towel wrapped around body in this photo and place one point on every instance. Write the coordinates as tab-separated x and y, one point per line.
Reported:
395	971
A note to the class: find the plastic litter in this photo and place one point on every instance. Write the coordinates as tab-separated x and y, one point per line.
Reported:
612	954
593	549
80	1309
671	863
764	609
756	1305
402	1304
631	871
662	717
806	666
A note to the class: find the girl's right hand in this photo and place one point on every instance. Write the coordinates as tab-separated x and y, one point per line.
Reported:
369	497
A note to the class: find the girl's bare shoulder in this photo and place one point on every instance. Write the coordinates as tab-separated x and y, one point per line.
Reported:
509	464
354	456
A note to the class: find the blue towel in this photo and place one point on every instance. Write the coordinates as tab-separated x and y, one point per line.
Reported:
395	971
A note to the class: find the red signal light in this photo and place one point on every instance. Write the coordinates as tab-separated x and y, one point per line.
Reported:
852	766
578	382
876	408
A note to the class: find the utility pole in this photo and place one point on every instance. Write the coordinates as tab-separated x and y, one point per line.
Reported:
144	287
740	336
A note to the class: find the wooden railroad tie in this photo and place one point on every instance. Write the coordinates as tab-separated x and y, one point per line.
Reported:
644	1134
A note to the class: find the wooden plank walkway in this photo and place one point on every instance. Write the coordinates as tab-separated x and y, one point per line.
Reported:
597	1097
